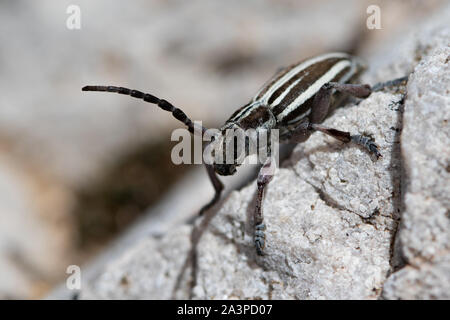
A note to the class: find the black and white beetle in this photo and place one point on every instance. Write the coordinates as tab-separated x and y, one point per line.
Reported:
295	101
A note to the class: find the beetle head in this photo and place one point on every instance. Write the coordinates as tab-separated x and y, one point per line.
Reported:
230	149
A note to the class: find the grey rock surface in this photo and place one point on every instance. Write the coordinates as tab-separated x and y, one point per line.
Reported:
423	239
55	139
332	211
158	260
427	281
330	214
317	246
207	57
179	205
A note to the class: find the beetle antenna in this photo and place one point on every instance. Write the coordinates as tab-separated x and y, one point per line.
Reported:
163	104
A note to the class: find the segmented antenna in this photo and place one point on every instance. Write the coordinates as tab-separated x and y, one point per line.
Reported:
163	104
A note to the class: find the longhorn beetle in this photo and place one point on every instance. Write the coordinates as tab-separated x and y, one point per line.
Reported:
295	101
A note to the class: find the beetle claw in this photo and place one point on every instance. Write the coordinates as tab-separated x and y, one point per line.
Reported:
373	148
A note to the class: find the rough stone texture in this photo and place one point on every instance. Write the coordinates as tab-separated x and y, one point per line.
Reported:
317	246
425	229
332	211
328	214
427	281
424	235
54	138
149	259
58	138
179	205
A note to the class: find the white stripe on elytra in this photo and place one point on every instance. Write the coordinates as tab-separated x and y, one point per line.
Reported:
246	111
285	92
296	70
314	88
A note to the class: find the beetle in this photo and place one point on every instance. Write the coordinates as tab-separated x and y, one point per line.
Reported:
294	101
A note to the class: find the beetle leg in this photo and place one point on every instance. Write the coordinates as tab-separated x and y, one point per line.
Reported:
320	109
265	175
218	188
322	100
392	83
346	137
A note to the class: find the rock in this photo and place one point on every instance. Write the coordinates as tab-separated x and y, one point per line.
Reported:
426	281
425	228
332	211
317	245
179	205
423	239
159	260
330	214
60	140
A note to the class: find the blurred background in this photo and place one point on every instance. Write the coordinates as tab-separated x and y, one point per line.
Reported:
78	169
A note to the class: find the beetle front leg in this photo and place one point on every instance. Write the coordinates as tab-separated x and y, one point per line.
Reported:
218	188
265	175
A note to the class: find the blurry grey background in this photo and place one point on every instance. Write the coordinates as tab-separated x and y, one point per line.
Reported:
77	168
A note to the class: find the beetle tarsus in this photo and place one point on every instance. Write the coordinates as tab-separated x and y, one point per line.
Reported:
368	143
260	238
391	83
